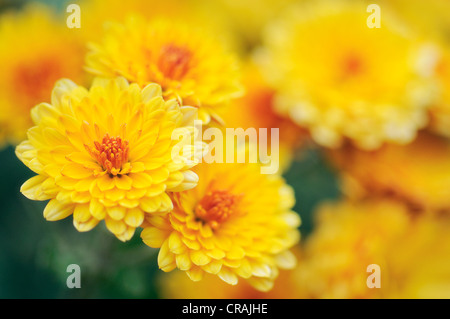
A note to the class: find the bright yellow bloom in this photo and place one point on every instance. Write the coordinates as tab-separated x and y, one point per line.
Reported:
36	49
236	223
187	62
105	154
343	80
176	285
417	173
411	249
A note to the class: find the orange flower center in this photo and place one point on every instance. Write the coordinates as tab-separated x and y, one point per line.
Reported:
216	207
174	61
111	154
352	65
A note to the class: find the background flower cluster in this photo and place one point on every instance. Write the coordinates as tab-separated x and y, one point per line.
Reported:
364	120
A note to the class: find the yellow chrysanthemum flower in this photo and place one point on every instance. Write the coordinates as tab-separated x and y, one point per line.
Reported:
417	173
36	50
343	80
105	154
228	227
176	285
410	249
187	62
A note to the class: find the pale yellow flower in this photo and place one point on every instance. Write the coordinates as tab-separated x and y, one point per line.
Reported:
411	251
105	154
341	79
36	49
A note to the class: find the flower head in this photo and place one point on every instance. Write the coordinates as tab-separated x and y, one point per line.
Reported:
37	50
235	223
187	62
342	80
106	154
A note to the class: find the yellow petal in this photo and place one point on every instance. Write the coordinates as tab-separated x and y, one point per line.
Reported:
81	213
154	237
236	252
105	182
56	210
150	204
123	182
116	212
195	273
86	226
261	284
127	234
286	260
115	194
166	260
134	217
175	244
213	267
141	180
75	171
228	276
97	210
117	227
32	188
200	258
183	261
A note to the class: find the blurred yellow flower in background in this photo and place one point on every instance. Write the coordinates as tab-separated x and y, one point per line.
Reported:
412	252
105	154
188	62
36	49
343	80
417	173
237	223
